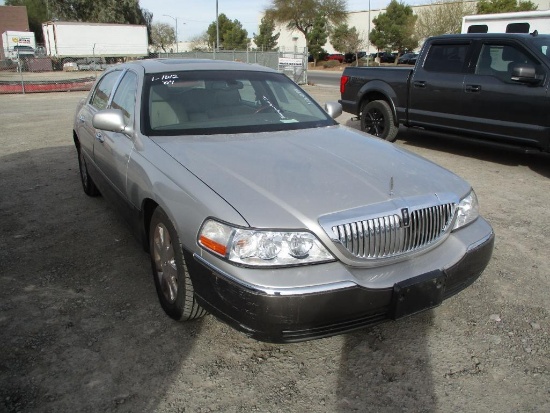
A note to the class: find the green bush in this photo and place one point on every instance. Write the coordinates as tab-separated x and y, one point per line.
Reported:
331	63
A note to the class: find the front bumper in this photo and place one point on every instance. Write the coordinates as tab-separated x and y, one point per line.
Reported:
309	313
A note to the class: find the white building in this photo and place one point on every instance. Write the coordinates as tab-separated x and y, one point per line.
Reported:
295	41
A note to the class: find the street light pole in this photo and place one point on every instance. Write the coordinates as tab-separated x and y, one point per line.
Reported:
217	29
176	20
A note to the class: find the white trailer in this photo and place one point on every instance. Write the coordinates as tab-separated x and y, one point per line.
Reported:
514	22
18	44
75	40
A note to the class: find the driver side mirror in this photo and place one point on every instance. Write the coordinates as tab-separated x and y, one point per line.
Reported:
334	109
111	120
525	73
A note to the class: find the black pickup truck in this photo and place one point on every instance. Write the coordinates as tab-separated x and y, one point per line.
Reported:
487	86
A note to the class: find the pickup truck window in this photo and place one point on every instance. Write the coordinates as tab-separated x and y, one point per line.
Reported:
498	60
448	58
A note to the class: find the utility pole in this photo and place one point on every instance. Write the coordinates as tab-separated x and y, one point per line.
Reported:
175	20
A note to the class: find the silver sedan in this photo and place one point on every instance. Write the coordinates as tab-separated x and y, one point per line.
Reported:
256	206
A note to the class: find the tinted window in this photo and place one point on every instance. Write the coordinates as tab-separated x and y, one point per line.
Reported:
100	97
125	96
448	58
499	60
217	102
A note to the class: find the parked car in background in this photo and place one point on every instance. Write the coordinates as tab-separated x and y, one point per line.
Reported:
407	59
384	57
256	206
336	56
352	57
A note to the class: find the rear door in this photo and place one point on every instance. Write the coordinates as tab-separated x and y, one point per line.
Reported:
436	89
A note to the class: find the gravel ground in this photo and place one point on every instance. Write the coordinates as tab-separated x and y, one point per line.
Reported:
81	328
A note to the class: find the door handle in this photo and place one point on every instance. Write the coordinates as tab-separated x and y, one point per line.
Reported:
81	118
472	88
99	137
419	83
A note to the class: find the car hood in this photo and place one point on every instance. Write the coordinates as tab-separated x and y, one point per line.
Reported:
289	179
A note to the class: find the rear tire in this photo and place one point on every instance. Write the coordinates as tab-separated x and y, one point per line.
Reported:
172	282
377	119
87	183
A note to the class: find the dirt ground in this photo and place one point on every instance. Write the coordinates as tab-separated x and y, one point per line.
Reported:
81	329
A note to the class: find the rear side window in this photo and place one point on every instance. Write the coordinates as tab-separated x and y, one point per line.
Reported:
103	90
446	58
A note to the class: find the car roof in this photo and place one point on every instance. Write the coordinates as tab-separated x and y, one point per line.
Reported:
492	36
175	65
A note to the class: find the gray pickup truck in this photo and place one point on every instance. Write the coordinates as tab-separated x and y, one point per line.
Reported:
487	86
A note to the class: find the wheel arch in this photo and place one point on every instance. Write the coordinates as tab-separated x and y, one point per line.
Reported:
148	206
378	91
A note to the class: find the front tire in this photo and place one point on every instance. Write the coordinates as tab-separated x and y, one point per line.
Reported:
377	119
172	282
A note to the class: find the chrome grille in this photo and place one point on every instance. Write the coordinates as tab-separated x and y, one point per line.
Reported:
387	236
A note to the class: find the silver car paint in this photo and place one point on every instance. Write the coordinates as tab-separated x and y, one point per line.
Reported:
248	180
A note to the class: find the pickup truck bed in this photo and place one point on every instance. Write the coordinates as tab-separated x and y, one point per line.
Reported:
493	87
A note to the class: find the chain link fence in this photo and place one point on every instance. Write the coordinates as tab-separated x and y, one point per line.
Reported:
45	74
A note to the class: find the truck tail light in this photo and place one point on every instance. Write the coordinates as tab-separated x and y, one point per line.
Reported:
343	81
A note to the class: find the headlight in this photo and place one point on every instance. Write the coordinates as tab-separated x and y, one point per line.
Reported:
467	211
262	248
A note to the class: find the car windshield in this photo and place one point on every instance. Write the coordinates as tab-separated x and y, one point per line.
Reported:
213	102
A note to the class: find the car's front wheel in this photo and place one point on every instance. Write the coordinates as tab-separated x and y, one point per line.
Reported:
377	119
170	272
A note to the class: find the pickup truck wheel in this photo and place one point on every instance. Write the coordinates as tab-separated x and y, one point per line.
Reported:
377	119
172	281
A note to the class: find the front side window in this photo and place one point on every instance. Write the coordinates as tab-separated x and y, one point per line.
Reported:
103	90
499	60
125	96
214	102
446	58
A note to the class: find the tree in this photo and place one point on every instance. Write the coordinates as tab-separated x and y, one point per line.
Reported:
199	43
266	40
232	34
347	40
302	15
394	29
442	17
162	36
37	13
503	6
317	37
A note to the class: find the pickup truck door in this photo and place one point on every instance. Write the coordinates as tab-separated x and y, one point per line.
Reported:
498	106
436	88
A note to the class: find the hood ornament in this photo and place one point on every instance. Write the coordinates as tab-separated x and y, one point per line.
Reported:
391	186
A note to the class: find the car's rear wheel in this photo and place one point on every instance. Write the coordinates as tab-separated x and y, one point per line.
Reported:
87	183
377	119
170	272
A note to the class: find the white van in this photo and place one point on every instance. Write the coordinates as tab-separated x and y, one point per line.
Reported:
515	22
